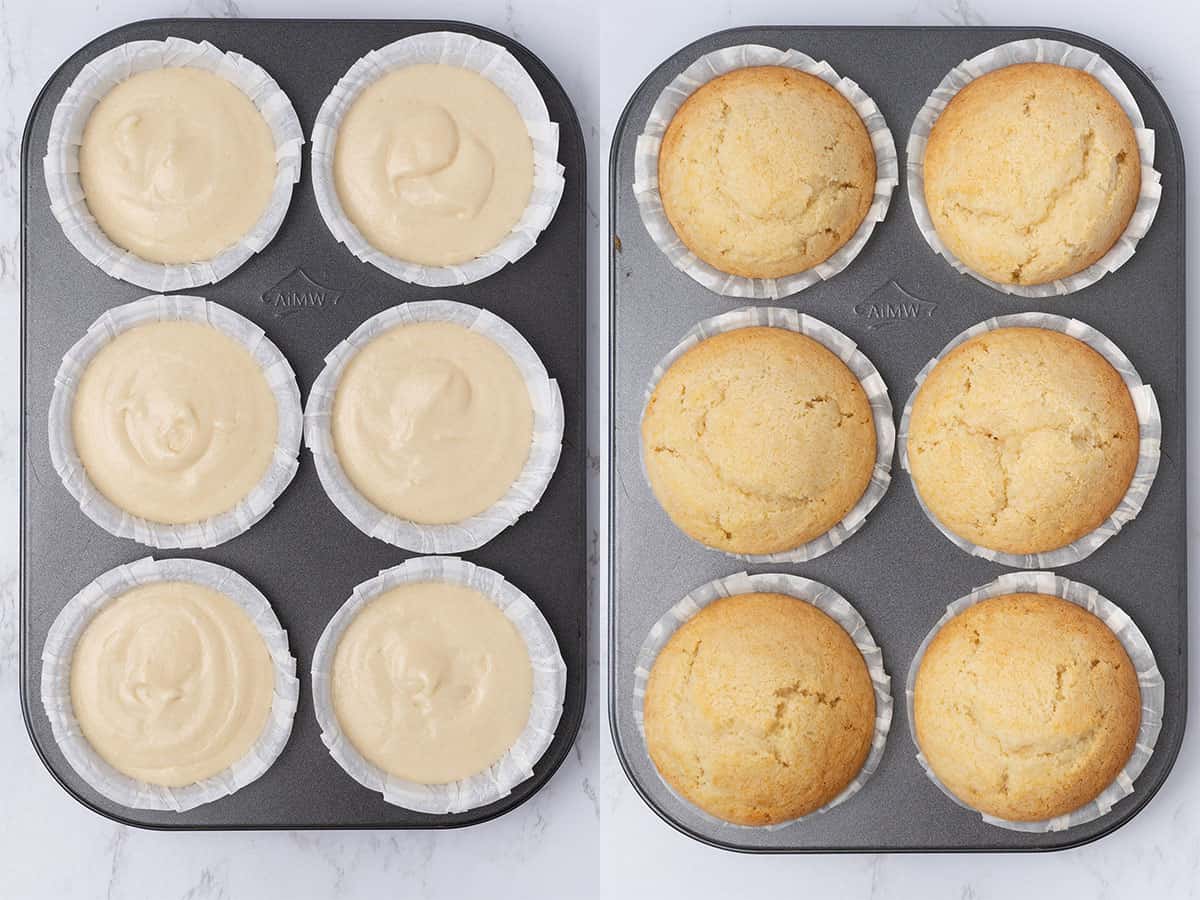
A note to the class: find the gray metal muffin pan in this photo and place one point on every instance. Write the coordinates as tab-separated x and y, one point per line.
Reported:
898	571
309	293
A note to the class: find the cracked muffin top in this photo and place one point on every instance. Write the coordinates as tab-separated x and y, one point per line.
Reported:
1032	173
759	709
766	171
1022	440
758	440
1026	706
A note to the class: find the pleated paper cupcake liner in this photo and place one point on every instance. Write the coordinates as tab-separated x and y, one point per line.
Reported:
521	497
59	650
67	200
1038	50
549	689
863	369
280	379
1150	683
498	66
1149	445
812	592
649	142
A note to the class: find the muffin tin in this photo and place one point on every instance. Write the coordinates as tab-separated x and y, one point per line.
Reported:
901	303
308	292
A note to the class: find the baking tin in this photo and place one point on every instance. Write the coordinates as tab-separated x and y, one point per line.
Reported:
901	303
309	293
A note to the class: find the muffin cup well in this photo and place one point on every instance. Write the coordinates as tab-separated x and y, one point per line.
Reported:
812	592
498	66
645	170
59	650
1150	683
1038	50
1145	404
549	690
522	496
69	204
868	377
280	379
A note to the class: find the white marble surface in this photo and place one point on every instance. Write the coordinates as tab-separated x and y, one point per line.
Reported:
587	834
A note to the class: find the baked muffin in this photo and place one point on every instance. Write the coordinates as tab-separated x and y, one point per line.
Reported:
1032	173
758	440
766	171
759	709
1026	706
1022	440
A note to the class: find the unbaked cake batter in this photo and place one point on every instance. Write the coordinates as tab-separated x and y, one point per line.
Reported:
176	164
433	164
174	421
171	683
431	682
432	422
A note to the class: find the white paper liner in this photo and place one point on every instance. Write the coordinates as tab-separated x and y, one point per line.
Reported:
59	650
67	201
1045	51
1145	404
549	689
645	170
812	592
862	368
280	379
1150	682
498	66
470	533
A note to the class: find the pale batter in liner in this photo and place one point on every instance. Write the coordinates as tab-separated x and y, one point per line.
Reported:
433	164
176	164
168	683
427	181
396	614
174	422
432	422
65	188
429	432
431	682
171	683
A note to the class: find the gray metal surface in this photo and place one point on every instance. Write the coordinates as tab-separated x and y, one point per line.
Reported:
304	555
898	571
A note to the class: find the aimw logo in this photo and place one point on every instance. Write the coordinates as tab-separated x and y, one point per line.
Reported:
298	292
892	305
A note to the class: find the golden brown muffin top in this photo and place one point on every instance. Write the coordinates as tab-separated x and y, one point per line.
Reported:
1023	440
1026	706
1032	173
766	171
758	440
759	709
